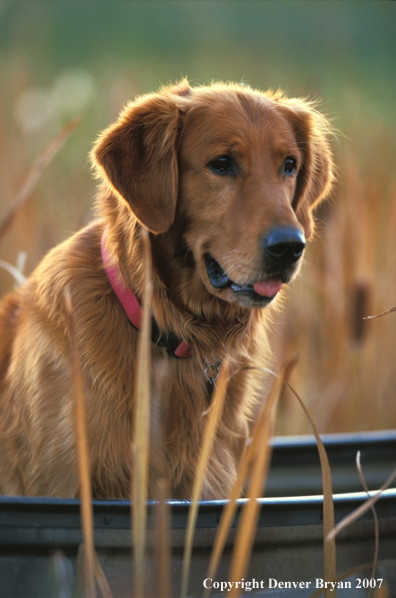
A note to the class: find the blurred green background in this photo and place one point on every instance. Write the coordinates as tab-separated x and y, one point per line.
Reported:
61	59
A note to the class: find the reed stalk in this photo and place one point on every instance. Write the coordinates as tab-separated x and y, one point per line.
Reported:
329	546
213	418
376	526
163	552
142	401
35	173
357	513
80	424
248	522
244	471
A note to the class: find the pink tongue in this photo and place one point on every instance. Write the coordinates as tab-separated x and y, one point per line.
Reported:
268	288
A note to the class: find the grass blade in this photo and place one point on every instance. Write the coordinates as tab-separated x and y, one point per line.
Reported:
385	313
360	510
228	517
15	272
376	549
213	418
329	547
82	455
139	480
243	472
101	579
35	173
162	540
261	453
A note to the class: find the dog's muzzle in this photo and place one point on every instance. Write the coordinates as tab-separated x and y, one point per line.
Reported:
282	249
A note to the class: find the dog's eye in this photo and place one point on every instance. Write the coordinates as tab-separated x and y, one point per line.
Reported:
223	165
289	165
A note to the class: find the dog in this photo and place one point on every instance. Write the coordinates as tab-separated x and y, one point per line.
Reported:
225	179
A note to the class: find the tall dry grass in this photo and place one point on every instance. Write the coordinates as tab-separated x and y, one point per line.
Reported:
345	370
142	417
346	367
252	474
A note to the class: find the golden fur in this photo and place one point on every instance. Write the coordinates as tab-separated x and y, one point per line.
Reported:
154	165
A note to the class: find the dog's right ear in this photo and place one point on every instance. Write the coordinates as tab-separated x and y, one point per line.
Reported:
316	176
138	156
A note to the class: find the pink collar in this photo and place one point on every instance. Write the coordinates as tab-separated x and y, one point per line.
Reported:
133	309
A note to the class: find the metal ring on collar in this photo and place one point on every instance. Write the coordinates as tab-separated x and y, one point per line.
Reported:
212	366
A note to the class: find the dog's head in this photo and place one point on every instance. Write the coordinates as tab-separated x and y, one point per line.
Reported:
231	173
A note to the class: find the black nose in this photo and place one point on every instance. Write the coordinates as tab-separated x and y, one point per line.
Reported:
284	245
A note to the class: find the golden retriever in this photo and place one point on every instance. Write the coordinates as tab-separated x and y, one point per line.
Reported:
225	178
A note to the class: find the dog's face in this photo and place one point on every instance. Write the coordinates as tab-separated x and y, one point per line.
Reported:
239	163
234	173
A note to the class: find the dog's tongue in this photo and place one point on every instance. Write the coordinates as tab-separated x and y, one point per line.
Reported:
268	288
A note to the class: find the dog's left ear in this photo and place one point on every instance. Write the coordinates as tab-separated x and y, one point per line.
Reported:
316	175
138	156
